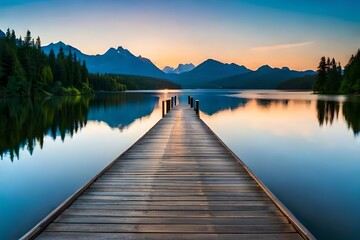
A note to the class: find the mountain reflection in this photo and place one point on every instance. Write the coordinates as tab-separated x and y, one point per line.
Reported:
120	110
25	122
211	104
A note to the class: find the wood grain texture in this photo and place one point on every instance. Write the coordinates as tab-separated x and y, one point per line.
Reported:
177	182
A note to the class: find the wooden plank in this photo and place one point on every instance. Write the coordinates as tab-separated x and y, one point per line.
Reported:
169	228
138	207
172	236
194	214
173	220
177	182
172	203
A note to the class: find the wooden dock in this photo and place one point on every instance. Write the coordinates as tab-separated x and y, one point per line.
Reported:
179	181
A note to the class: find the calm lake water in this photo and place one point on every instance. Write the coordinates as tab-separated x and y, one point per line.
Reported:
305	148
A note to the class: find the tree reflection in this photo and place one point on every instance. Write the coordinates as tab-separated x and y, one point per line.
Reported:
351	112
328	111
26	121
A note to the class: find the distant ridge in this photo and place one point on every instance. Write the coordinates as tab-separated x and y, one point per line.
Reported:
180	68
115	61
207	71
56	48
264	77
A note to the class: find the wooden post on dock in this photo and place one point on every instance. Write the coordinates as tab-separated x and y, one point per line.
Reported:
188	99
191	102
172	102
197	108
175	100
167	105
163	108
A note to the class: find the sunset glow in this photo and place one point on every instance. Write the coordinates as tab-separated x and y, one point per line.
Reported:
250	33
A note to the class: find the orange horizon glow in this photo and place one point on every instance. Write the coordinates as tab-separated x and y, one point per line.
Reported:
249	33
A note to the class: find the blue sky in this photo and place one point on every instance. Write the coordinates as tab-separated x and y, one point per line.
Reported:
252	33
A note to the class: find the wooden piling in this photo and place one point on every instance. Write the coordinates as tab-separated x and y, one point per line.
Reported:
167	105
163	108
197	108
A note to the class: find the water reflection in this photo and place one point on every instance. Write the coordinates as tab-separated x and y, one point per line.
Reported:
351	112
25	122
327	111
213	101
120	110
327	108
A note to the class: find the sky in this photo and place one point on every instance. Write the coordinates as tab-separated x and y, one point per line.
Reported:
279	33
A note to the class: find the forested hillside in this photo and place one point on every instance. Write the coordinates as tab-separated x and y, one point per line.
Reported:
108	82
25	70
331	78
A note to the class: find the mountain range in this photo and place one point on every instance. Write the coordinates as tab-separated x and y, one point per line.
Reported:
180	69
206	72
116	61
264	77
209	74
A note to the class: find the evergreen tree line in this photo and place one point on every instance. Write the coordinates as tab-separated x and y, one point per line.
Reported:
106	82
26	70
332	79
121	82
116	82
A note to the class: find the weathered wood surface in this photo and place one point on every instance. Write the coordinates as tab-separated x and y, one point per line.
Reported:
177	182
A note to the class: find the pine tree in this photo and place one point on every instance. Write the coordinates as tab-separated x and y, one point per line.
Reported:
351	81
8	34
38	43
77	73
69	69
46	77
21	42
321	76
52	61
13	37
27	39
84	73
332	77
61	54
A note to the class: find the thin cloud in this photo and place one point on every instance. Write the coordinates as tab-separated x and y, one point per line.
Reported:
281	46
